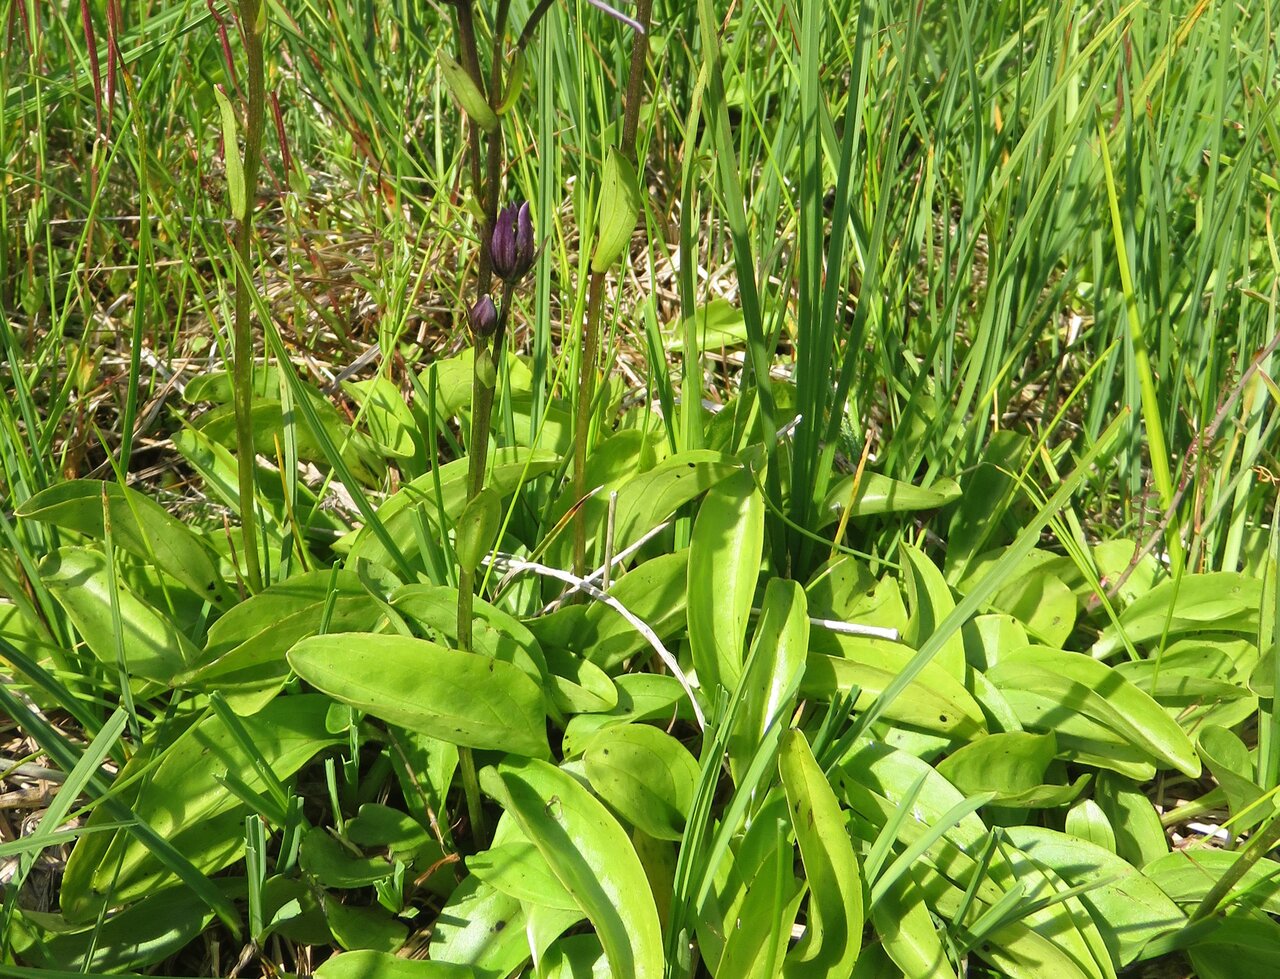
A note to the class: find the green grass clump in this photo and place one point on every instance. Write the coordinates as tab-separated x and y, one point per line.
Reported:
845	544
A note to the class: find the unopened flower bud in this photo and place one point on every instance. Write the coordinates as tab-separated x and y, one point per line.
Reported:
483	316
512	246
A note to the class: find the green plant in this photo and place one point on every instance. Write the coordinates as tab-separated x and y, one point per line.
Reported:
901	600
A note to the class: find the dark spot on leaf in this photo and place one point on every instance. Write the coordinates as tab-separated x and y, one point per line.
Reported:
942	718
210	587
499	925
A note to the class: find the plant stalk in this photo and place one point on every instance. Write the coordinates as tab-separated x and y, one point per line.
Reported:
595	293
582	423
252	22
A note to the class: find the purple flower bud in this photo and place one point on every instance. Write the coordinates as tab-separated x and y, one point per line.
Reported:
483	316
512	245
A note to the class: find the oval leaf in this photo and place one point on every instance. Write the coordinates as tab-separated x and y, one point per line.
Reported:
646	775
462	698
593	858
833	931
724	564
139	525
1079	683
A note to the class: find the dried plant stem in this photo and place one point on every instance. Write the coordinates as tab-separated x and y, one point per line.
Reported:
252	21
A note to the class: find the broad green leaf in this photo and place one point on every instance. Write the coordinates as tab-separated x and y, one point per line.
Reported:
267	417
149	932
1240	946
575	957
508	469
333	865
291	909
874	779
986	493
719	323
759	926
724	565
390	421
1227	757
655	591
1139	835
934	701
1041	601
902	921
383	965
183	801
370	927
463	698
610	466
833	923
576	685
762	858
1007	764
986	636
382	827
1201	680
484	929
139	525
1088	823
244	656
1224	601
651	497
1187	875
1078	683
837	587
1128	909
518	868
1070	923
877	494
619	209
433	609
647	776
1081	738
931	602
641	697
767	690
269	606
593	858
154	648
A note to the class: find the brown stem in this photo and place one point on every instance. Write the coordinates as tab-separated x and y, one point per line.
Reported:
242	363
635	81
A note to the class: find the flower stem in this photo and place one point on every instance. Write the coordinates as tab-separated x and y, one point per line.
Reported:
252	22
484	379
595	293
582	424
